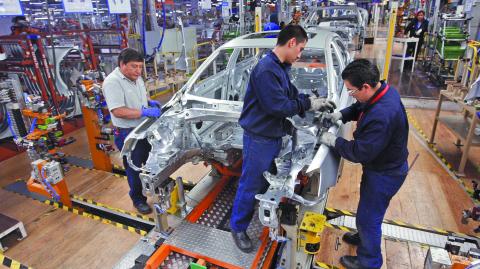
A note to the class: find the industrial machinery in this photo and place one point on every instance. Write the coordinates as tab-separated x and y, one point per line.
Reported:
349	22
47	180
97	119
44	136
200	123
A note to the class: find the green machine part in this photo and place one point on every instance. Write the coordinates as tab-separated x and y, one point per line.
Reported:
197	266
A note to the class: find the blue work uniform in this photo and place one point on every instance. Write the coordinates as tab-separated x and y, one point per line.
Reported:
380	145
139	156
269	99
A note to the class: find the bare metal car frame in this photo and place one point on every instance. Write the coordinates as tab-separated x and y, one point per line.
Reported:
200	123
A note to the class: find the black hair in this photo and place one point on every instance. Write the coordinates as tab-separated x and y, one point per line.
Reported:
18	18
292	31
361	71
129	55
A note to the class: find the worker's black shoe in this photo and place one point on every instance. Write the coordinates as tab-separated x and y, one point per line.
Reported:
242	241
351	262
351	238
143	208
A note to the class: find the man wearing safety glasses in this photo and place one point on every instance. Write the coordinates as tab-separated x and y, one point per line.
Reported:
380	145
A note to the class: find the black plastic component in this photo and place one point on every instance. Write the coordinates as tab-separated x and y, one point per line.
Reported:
142	259
452	247
16	117
289	214
159	242
312	248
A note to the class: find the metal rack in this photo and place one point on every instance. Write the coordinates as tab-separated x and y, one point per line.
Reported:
446	45
463	125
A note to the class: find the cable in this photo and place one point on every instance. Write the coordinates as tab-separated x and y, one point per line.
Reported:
164	27
48	187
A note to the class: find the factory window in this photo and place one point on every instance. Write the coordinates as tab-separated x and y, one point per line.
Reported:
244	64
213	77
343	50
337	67
310	72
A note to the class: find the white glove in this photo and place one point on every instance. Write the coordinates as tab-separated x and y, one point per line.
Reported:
320	104
328	139
419	31
333	117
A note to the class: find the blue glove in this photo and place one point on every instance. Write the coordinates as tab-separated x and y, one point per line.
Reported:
151	112
154	103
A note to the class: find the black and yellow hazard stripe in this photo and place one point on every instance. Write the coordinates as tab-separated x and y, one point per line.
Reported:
94	217
417	127
11	263
338	227
85	214
90	201
325	265
402	224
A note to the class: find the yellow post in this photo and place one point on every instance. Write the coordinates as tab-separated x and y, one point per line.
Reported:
258	19
390	36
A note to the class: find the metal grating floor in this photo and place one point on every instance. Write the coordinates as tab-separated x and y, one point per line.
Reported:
210	235
218	215
403	233
220	211
211	242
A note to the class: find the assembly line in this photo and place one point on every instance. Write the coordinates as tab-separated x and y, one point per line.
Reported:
232	134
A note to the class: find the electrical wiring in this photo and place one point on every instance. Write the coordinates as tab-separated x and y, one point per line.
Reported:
164	27
48	187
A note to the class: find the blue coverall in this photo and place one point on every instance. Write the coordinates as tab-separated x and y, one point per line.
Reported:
139	156
269	99
380	145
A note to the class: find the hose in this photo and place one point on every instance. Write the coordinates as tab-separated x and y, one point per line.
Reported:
164	27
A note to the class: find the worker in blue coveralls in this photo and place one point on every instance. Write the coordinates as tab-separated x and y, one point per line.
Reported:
127	101
380	145
273	24
270	98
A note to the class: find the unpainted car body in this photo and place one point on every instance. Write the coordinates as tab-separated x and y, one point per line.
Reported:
349	22
200	122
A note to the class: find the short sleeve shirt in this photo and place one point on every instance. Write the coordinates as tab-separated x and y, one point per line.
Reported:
119	91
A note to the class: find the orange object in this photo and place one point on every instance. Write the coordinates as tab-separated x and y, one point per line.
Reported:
163	252
317	65
61	188
101	160
201	262
197	212
41	118
459	262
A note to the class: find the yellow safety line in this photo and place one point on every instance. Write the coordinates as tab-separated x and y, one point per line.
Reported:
90	201
11	263
399	223
94	217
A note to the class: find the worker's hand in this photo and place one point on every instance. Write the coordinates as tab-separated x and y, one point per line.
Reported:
151	112
333	117
328	139
154	103
320	104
